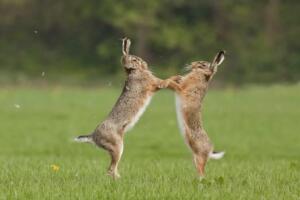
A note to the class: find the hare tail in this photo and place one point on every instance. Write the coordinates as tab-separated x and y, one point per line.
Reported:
84	138
216	155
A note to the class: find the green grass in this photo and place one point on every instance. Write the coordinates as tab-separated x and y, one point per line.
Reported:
258	127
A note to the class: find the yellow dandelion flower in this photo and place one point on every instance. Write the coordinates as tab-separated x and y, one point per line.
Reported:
55	167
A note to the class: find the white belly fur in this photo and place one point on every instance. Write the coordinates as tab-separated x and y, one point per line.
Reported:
137	116
180	119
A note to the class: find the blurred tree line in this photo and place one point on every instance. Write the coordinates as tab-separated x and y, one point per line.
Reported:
260	36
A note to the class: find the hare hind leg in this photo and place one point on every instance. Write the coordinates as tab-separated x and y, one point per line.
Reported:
200	162
200	147
113	144
115	154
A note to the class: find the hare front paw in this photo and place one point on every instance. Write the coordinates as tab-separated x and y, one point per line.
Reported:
163	84
177	78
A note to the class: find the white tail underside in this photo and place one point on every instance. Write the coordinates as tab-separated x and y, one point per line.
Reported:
83	139
216	156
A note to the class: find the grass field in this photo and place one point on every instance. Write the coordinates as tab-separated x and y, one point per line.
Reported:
258	127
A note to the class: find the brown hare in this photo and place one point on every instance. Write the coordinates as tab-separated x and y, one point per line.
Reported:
190	92
139	87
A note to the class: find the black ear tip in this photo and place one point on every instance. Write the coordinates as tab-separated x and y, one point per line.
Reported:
223	52
125	39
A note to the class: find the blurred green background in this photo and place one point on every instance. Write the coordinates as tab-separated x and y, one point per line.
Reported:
75	41
49	49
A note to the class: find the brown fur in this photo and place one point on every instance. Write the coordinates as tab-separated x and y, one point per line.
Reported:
140	85
191	90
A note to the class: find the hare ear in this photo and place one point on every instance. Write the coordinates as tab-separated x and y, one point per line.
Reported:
125	45
219	58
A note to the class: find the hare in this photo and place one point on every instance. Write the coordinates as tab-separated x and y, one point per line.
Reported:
190	92
138	90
